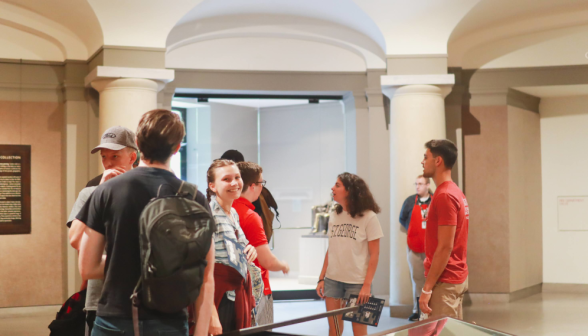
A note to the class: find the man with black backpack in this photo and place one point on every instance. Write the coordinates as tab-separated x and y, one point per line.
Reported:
176	222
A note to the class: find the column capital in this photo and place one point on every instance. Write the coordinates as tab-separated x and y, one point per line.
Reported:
437	84
105	73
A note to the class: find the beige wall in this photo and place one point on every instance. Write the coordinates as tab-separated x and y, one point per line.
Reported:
486	180
58	118
503	187
524	217
31	272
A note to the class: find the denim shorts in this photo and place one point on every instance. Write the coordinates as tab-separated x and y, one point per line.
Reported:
341	290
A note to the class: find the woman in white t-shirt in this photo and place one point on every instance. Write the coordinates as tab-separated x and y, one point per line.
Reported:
354	248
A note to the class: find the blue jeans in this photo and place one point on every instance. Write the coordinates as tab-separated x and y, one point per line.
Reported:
110	326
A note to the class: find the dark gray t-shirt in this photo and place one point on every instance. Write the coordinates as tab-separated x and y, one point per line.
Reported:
113	210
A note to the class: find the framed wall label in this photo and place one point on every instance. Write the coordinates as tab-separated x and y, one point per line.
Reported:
15	189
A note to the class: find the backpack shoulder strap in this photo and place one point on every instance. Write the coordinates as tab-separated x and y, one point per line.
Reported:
188	188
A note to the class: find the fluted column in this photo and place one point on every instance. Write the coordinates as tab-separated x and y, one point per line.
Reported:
417	115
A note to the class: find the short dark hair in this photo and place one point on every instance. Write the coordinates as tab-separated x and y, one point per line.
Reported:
158	133
360	197
233	155
445	149
250	172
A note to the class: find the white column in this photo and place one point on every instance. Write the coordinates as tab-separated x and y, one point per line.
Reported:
126	94
417	115
123	101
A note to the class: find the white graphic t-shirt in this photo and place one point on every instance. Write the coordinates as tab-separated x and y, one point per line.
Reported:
348	245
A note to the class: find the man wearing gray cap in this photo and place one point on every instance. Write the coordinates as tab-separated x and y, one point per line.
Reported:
118	151
114	159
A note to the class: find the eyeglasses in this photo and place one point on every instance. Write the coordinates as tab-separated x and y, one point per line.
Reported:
420	184
261	182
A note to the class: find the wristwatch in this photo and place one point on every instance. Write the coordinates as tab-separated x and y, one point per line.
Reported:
318	282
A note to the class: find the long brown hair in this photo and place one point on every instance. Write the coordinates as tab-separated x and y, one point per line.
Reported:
210	175
360	197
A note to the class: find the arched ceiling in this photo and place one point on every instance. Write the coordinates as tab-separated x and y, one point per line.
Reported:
339	25
416	27
474	33
501	33
69	26
139	23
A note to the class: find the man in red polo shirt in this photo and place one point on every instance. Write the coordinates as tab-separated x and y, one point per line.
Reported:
252	226
446	241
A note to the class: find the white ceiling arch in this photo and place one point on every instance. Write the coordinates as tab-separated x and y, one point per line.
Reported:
37	37
302	21
494	32
416	27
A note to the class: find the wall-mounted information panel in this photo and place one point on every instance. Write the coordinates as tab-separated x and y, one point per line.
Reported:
15	189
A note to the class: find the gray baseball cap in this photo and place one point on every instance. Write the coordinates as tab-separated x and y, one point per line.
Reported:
116	138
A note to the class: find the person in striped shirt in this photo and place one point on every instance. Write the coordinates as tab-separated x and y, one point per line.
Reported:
233	299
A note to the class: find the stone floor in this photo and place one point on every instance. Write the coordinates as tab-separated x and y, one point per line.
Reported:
546	314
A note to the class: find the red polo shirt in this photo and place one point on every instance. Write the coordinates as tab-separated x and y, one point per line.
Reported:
252	226
449	207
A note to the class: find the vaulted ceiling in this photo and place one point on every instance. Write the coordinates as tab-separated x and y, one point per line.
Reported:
305	35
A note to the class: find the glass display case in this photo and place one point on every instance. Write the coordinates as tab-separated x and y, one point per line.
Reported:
445	326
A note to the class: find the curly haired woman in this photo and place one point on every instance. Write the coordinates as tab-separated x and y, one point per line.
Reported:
354	248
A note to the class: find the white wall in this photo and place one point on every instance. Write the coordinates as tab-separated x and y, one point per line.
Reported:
302	152
350	134
233	127
198	145
564	135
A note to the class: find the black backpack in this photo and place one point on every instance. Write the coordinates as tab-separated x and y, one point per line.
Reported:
71	318
175	234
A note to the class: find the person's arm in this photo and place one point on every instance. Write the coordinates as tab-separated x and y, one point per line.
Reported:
445	236
76	231
91	261
405	214
206	297
374	251
269	261
320	287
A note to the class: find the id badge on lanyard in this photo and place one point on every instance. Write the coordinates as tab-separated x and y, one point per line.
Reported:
424	213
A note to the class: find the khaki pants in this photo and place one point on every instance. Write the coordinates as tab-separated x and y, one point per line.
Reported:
265	310
447	300
416	265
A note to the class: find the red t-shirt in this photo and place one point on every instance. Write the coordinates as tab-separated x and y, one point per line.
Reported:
252	227
449	207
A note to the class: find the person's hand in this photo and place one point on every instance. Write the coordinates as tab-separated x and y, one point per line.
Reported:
110	173
320	289
424	303
364	295
215	327
286	267
251	253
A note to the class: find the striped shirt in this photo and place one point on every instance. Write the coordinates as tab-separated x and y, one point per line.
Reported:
225	227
